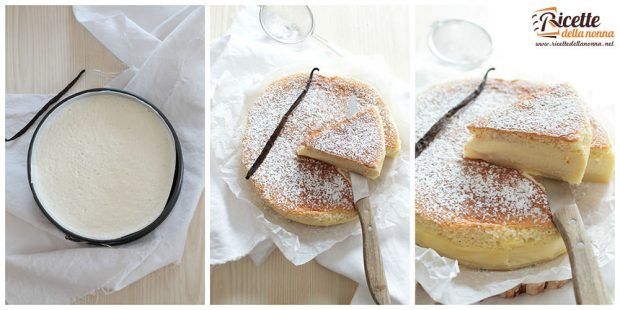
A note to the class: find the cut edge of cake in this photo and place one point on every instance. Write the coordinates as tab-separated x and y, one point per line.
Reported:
600	167
547	134
354	144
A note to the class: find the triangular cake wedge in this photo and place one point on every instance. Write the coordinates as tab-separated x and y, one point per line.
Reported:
353	144
601	161
547	134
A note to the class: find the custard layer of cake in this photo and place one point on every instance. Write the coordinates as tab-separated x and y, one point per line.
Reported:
492	246
601	161
481	214
353	144
300	188
547	133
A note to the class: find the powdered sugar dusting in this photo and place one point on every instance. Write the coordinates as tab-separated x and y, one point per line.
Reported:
295	183
359	138
451	189
556	112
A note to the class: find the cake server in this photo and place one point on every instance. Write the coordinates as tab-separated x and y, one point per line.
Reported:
587	281
373	264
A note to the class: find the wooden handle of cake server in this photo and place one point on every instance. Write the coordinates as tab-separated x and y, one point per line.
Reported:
587	281
373	265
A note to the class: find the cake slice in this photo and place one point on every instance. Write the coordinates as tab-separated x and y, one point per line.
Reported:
601	161
354	144
547	133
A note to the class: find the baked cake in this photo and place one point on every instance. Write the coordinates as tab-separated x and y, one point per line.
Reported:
601	161
484	215
547	133
301	188
353	144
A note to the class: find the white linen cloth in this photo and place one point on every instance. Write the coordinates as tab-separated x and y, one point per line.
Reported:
245	60
516	57
164	50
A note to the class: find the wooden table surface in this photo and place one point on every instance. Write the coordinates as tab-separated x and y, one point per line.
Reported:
45	48
369	30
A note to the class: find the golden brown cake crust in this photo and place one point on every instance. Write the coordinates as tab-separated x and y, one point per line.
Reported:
451	190
300	188
359	138
600	139
554	111
483	215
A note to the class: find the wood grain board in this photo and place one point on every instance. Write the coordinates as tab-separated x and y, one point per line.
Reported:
45	48
532	288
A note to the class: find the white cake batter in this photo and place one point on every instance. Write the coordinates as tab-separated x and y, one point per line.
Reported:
103	165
